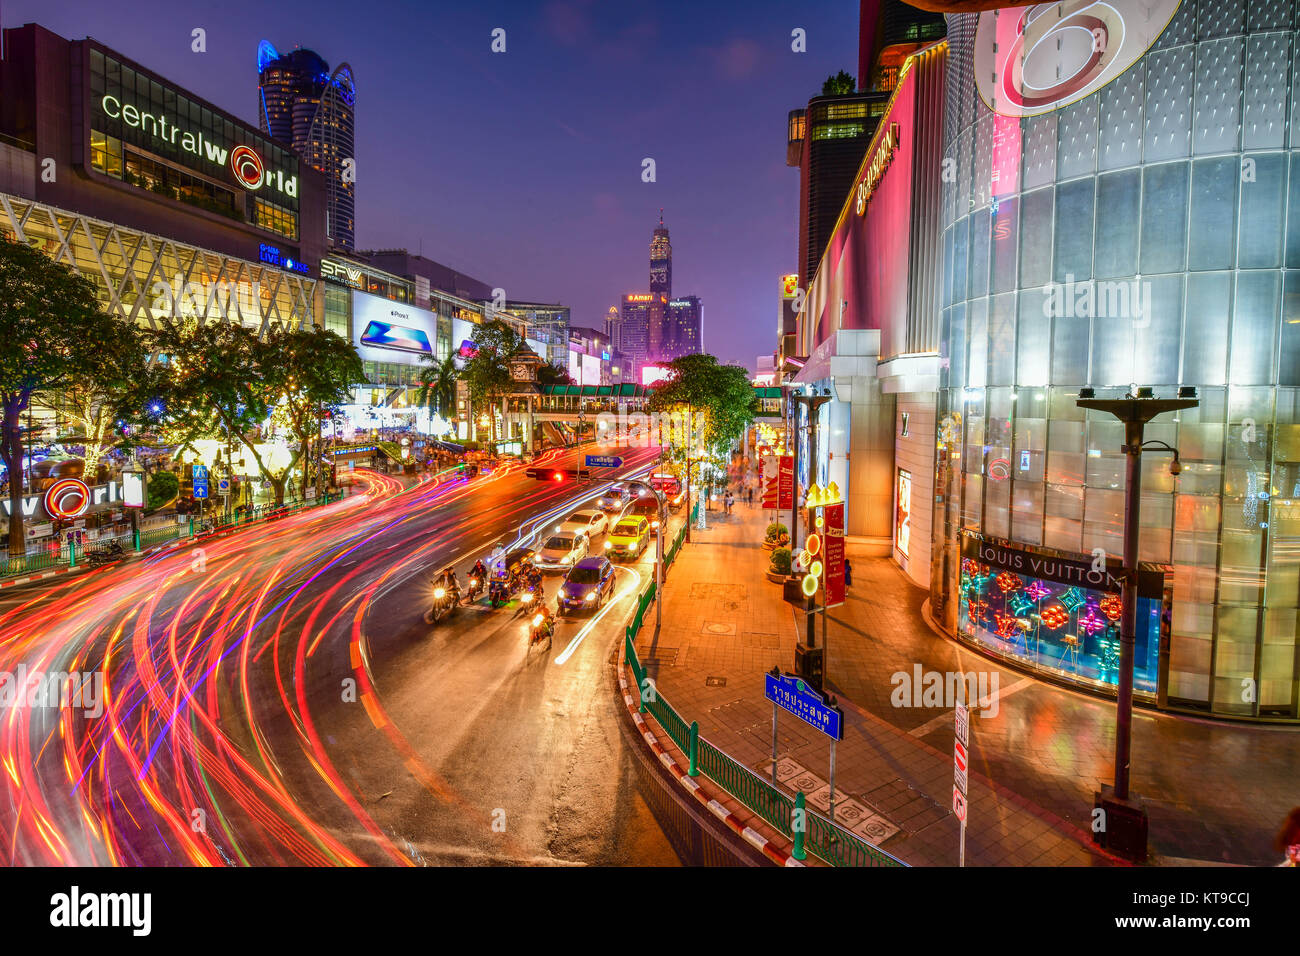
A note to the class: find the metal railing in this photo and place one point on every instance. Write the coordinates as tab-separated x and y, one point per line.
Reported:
71	555
829	842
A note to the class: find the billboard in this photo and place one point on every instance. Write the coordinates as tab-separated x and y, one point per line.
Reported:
903	519
778	482
388	331
650	374
833	536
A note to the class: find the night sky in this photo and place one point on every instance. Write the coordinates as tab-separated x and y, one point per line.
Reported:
523	169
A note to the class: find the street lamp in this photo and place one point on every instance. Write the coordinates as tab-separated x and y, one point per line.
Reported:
1125	820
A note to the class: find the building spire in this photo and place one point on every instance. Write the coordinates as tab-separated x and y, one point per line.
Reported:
661	216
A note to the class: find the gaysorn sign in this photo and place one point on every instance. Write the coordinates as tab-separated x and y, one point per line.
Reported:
1049	565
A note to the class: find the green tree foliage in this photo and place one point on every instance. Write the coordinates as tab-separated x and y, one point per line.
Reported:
163	487
487	372
715	403
438	385
841	84
553	374
53	333
317	369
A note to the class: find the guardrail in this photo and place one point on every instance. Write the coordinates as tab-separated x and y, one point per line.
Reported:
70	555
814	834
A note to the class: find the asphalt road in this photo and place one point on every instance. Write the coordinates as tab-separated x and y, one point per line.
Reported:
277	697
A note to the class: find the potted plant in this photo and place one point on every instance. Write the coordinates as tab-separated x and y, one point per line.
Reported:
779	569
777	536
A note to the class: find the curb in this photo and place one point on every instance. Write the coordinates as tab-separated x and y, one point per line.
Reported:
751	836
32	578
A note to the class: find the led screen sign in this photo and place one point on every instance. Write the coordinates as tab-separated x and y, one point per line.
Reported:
387	331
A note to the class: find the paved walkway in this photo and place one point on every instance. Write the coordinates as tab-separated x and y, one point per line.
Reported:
1216	791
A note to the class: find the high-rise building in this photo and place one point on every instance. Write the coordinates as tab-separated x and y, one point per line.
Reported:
828	138
661	260
302	103
684	333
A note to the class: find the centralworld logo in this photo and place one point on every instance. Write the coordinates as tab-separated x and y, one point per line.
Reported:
247	167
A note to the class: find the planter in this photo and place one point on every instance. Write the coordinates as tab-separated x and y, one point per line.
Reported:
776	577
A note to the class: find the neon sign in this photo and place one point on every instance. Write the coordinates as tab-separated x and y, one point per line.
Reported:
273	256
639	298
245	163
67	498
884	155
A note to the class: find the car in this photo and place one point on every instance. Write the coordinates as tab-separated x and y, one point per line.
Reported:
647	506
561	551
587	585
630	537
613	500
589	522
667	485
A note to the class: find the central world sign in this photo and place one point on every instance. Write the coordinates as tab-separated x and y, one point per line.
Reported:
244	162
880	161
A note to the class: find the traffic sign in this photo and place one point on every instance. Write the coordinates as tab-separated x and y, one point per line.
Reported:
223	486
962	715
959	807
604	461
200	491
809	705
959	764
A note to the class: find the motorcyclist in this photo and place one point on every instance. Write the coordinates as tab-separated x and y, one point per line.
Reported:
448	580
477	579
542	623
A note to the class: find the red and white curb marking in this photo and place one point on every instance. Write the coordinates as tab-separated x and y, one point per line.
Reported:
29	578
748	834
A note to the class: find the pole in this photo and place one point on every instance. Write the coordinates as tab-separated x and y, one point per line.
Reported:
812	480
774	743
1128	628
832	781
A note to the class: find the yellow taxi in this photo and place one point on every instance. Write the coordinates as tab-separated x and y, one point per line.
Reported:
629	539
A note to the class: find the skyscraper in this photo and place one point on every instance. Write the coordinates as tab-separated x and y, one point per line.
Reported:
302	103
661	260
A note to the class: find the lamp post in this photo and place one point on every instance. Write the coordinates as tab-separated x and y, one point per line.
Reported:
1124	820
812	403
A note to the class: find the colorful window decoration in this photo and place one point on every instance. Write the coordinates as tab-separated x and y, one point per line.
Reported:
1068	629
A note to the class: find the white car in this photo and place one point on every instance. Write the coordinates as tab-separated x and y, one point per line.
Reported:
562	551
589	522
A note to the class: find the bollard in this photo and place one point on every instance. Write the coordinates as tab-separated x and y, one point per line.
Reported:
135	539
191	526
799	825
72	554
695	749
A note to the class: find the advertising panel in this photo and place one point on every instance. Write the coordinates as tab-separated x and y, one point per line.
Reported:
778	482
387	331
903	517
833	536
590	370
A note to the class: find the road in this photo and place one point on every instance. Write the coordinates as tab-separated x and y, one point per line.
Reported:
277	697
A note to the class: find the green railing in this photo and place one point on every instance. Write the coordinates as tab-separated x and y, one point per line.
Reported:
829	842
642	605
675	547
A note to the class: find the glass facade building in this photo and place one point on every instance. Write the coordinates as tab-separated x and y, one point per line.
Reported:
1110	219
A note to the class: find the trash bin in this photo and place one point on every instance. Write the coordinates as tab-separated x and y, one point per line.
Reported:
809	664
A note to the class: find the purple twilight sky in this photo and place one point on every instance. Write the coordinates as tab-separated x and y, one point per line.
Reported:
523	169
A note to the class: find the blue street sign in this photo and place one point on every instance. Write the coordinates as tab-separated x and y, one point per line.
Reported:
809	705
200	472
223	486
604	461
200	482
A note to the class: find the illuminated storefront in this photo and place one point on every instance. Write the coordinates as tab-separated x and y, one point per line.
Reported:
1123	212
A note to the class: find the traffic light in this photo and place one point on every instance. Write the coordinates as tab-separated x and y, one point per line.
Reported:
557	474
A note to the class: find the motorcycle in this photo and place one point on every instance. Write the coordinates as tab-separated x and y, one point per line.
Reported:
530	598
445	601
475	589
499	592
539	629
110	552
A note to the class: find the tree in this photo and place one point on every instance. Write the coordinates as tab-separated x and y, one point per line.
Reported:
487	371
438	385
552	373
716	402
841	84
313	370
93	403
52	332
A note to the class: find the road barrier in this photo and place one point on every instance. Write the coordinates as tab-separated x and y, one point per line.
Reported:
70	554
828	841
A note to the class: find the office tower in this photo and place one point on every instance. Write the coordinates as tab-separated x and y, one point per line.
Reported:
302	103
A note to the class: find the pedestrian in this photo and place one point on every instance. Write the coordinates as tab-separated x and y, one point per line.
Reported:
1287	841
749	493
731	501
848	572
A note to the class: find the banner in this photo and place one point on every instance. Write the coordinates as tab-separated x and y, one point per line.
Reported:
833	536
778	482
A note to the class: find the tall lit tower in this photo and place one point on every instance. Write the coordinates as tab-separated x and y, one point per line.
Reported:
661	260
302	103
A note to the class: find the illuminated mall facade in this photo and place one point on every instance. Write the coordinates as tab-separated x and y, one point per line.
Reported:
1123	208
1118	209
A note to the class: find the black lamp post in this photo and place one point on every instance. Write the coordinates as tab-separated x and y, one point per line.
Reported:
812	670
1124	824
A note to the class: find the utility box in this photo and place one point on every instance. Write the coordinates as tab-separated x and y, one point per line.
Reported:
809	664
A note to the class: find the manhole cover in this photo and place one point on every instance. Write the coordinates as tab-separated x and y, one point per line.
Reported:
715	682
717	627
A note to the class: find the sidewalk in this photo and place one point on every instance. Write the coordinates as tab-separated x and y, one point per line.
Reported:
1215	791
